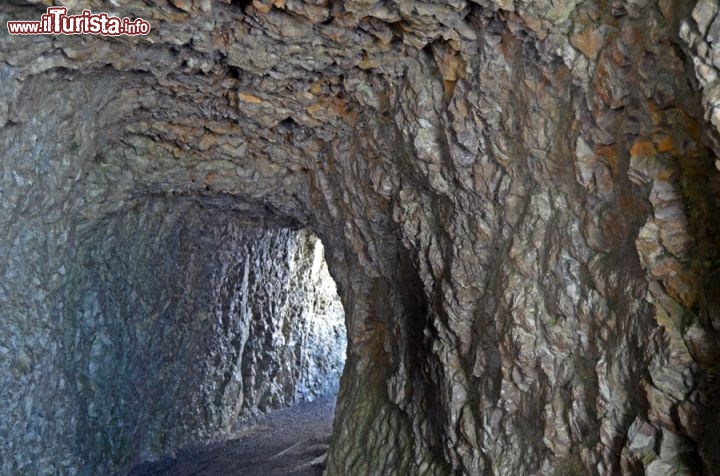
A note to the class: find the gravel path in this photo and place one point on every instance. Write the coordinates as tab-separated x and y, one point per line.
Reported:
291	441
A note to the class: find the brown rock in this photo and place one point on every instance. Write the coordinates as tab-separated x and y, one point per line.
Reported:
589	41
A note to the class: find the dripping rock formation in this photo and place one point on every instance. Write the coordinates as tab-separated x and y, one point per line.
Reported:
517	198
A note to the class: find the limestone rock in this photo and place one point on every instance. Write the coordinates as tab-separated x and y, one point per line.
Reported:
518	201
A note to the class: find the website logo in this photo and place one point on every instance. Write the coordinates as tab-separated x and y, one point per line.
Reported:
57	22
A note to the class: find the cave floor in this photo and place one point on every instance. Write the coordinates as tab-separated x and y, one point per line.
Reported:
292	441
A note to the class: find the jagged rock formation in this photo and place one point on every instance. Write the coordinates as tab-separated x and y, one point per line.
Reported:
179	319
518	201
198	320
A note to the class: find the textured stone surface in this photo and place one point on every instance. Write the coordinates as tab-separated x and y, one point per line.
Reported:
187	320
518	200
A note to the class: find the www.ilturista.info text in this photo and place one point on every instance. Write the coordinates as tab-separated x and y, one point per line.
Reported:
57	22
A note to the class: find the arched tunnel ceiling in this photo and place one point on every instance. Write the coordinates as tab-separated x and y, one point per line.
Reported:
518	201
224	93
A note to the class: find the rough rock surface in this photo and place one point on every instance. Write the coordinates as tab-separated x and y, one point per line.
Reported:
180	320
518	201
196	322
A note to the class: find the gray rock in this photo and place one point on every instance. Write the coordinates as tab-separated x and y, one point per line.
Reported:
517	199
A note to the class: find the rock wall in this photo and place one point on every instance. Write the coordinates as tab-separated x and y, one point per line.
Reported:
518	201
176	319
188	320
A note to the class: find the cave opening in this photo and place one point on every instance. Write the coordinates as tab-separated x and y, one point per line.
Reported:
193	324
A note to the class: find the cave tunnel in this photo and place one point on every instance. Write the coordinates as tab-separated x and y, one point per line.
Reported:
490	227
190	320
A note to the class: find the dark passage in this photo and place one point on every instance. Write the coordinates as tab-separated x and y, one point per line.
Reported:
192	319
289	441
517	200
